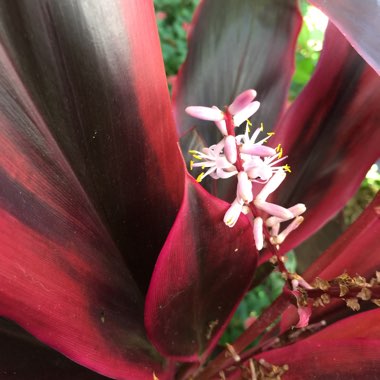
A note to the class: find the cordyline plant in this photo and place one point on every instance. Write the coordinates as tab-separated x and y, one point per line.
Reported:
114	256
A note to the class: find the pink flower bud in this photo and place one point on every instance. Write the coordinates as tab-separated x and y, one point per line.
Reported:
221	124
233	213
257	150
273	209
298	209
272	185
205	113
258	233
246	113
230	149
242	101
292	226
244	188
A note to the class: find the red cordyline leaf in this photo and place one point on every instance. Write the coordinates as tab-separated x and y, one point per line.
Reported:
331	135
347	349
203	271
234	46
357	251
91	178
23	357
359	22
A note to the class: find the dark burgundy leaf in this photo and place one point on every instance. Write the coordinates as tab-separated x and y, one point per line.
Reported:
234	46
331	134
348	349
88	158
201	274
359	22
24	358
96	76
356	251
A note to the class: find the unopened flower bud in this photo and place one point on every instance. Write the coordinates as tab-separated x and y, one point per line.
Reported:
271	185
244	188
242	101
258	233
205	113
246	113
292	226
274	209
230	149
233	213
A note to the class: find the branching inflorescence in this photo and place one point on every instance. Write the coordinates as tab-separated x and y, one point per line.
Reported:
251	161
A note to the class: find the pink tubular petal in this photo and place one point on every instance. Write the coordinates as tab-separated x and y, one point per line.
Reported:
257	150
233	213
244	188
292	226
242	101
205	113
230	149
271	185
258	233
297	209
273	209
246	113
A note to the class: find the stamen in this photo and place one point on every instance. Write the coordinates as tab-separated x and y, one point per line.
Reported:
200	177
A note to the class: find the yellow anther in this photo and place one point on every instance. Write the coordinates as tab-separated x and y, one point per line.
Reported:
203	167
280	153
191	164
278	147
270	133
287	168
200	177
249	123
195	154
261	127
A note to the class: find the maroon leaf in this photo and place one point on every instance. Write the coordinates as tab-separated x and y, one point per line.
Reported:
234	46
359	22
90	177
356	251
201	274
102	93
331	135
348	349
24	358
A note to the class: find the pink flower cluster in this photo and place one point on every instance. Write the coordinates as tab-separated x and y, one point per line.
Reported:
251	161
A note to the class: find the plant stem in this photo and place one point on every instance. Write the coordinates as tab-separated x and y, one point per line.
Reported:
224	359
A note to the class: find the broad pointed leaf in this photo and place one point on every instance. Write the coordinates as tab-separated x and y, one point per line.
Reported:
95	73
23	358
233	46
201	274
348	349
90	177
359	22
331	134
